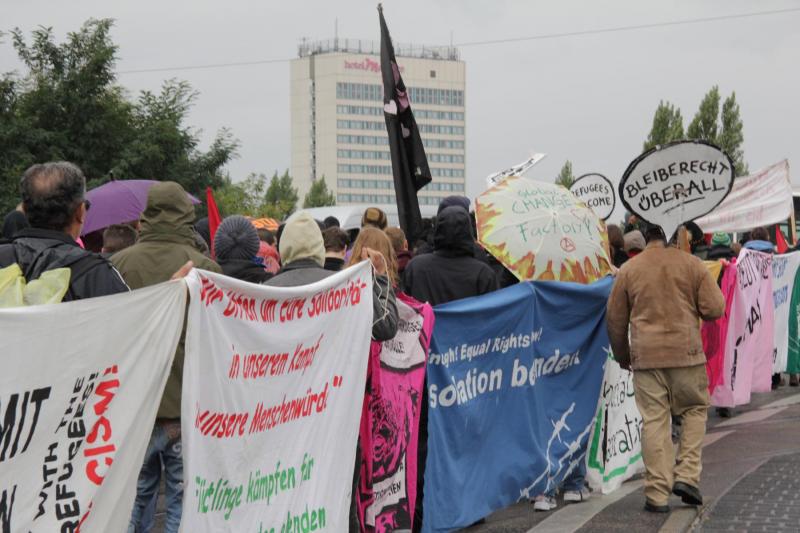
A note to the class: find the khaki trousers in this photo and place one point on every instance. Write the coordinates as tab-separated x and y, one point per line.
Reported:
660	393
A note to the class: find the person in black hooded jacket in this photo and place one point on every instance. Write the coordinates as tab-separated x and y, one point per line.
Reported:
451	272
54	199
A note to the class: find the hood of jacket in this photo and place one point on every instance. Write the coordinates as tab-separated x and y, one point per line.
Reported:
453	232
169	215
302	239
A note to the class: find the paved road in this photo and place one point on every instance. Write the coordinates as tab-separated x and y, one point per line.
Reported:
751	482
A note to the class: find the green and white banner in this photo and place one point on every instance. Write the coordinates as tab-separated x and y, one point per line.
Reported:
615	447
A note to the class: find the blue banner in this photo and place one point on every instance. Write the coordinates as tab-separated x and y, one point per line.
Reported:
513	383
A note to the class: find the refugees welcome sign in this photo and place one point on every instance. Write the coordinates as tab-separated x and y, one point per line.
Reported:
513	382
78	397
272	394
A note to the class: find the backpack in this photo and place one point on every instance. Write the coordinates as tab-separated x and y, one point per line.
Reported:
8	257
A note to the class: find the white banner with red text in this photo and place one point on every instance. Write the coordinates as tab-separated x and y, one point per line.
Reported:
763	198
273	388
78	397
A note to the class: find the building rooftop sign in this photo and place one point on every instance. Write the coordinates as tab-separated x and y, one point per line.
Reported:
361	46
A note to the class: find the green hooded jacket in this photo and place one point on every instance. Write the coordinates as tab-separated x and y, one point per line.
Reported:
166	243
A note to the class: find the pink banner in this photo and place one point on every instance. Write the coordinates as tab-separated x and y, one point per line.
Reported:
715	333
390	421
749	341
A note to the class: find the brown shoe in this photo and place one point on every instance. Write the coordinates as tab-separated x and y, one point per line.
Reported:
794	380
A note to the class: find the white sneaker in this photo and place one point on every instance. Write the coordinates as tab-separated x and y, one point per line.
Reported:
544	503
577	496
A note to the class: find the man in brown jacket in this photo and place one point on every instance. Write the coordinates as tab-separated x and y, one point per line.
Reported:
662	294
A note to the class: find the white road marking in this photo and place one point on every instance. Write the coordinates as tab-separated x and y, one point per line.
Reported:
751	416
784	402
711	438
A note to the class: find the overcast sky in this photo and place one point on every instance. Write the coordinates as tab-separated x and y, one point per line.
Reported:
587	98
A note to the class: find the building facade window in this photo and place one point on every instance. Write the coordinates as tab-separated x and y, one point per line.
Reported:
347	168
419	95
440	186
436	129
382	199
447	172
423	114
363	139
445	158
383	140
363	154
386	156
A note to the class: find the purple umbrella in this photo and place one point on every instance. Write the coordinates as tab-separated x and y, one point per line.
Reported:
118	202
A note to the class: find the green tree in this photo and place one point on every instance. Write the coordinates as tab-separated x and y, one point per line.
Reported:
565	177
280	200
319	195
731	136
667	126
724	129
704	125
68	105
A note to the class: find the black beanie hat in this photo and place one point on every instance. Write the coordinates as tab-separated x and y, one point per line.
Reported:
236	238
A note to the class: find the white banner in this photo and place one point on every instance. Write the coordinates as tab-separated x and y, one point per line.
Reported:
784	270
516	170
619	424
760	199
273	389
78	397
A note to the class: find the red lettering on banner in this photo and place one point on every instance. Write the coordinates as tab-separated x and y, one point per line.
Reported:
209	292
103	425
292	309
304	357
240	306
221	425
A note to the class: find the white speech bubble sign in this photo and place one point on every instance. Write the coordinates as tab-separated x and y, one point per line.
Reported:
597	192
675	183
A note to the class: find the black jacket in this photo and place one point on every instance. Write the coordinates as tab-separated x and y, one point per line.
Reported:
451	272
39	250
720	251
244	270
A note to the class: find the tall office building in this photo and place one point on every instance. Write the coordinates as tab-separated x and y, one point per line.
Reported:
338	129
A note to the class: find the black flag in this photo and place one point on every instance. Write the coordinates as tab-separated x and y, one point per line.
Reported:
409	164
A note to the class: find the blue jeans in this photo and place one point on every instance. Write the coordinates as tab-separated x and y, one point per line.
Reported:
577	478
164	447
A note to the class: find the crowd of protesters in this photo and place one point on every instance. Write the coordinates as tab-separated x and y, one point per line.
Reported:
443	264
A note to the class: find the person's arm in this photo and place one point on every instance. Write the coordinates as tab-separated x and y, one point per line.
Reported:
384	310
710	301
618	315
101	280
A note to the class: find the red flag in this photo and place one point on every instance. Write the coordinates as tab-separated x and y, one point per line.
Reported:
780	240
213	218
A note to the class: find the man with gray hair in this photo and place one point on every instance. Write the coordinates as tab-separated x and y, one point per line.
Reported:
54	201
